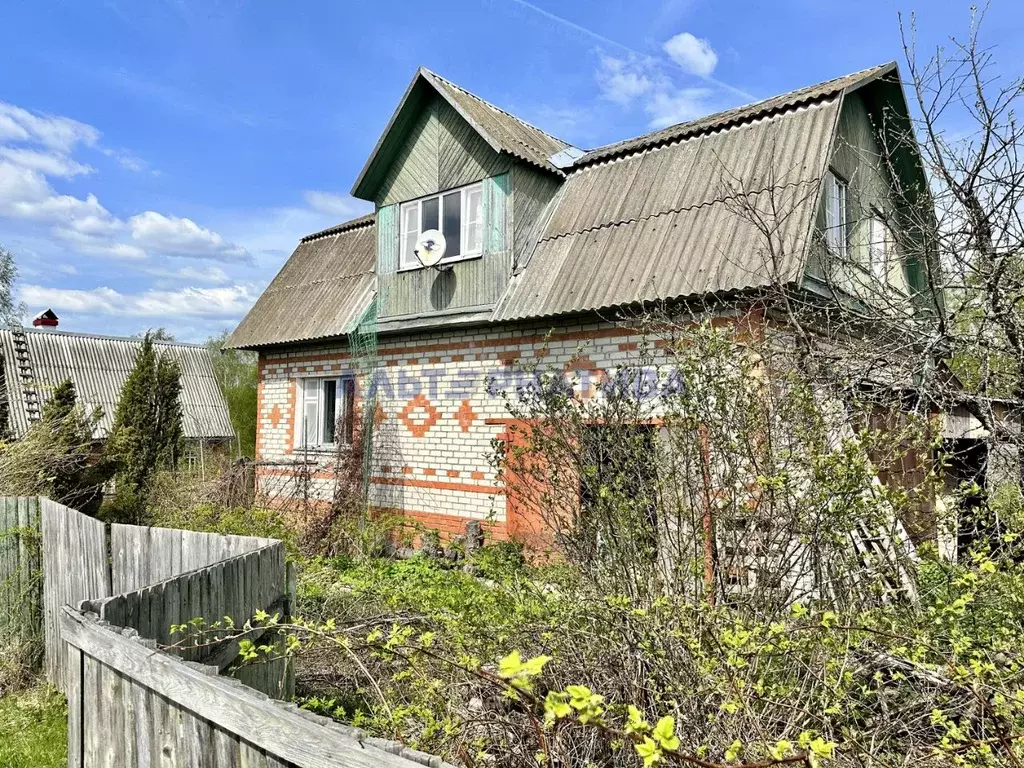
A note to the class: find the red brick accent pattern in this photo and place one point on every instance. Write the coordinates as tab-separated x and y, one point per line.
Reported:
410	416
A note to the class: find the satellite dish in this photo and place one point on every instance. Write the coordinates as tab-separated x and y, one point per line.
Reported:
430	248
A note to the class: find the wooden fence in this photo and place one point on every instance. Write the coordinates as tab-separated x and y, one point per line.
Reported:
144	556
237	587
105	611
132	705
75	568
52	556
21	581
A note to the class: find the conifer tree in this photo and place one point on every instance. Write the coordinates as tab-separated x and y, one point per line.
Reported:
147	431
76	477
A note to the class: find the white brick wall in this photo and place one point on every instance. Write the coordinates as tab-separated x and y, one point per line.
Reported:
446	470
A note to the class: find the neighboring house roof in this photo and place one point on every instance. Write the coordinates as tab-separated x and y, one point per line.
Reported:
652	218
98	366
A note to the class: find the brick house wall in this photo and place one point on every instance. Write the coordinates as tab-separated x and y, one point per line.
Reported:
436	418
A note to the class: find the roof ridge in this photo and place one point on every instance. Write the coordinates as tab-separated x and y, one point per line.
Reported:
495	107
365	220
777	104
105	337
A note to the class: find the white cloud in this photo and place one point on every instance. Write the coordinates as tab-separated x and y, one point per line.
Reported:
99	245
623	81
230	301
695	55
183	237
26	194
644	80
60	133
48	163
341	206
670	107
127	160
210	275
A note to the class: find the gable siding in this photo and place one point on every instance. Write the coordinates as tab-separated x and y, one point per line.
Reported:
463	156
857	157
413	173
532	190
441	151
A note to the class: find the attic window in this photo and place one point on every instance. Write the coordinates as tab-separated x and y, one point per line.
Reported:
836	215
879	246
458	213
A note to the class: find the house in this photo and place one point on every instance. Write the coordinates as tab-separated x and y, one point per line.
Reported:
35	360
544	244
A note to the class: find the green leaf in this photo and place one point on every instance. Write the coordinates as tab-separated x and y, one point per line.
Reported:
510	666
635	722
734	750
557	705
664	732
649	750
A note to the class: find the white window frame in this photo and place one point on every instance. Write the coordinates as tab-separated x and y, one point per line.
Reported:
879	246
344	403
407	259
837	214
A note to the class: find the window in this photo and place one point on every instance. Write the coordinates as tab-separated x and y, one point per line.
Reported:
836	214
879	247
459	216
325	412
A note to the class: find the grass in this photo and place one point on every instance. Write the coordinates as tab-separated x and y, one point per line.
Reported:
33	729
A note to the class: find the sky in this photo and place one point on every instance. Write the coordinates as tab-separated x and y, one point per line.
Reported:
159	160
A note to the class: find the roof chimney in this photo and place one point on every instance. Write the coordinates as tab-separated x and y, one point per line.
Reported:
46	319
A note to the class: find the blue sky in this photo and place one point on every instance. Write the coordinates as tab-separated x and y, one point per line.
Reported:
160	159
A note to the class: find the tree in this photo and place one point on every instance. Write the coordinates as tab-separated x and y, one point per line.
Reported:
147	431
156	334
57	458
10	313
238	377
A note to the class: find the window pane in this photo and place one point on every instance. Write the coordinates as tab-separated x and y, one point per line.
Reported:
835	214
309	411
429	220
452	224
329	411
879	248
410	233
348	409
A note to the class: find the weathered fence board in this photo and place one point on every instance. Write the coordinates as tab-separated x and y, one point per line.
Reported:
143	556
141	707
75	568
21	575
237	587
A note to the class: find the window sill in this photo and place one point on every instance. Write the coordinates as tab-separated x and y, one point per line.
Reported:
322	450
443	263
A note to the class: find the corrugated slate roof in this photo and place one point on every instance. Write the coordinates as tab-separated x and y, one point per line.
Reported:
641	220
321	291
505	131
99	366
745	113
662	223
